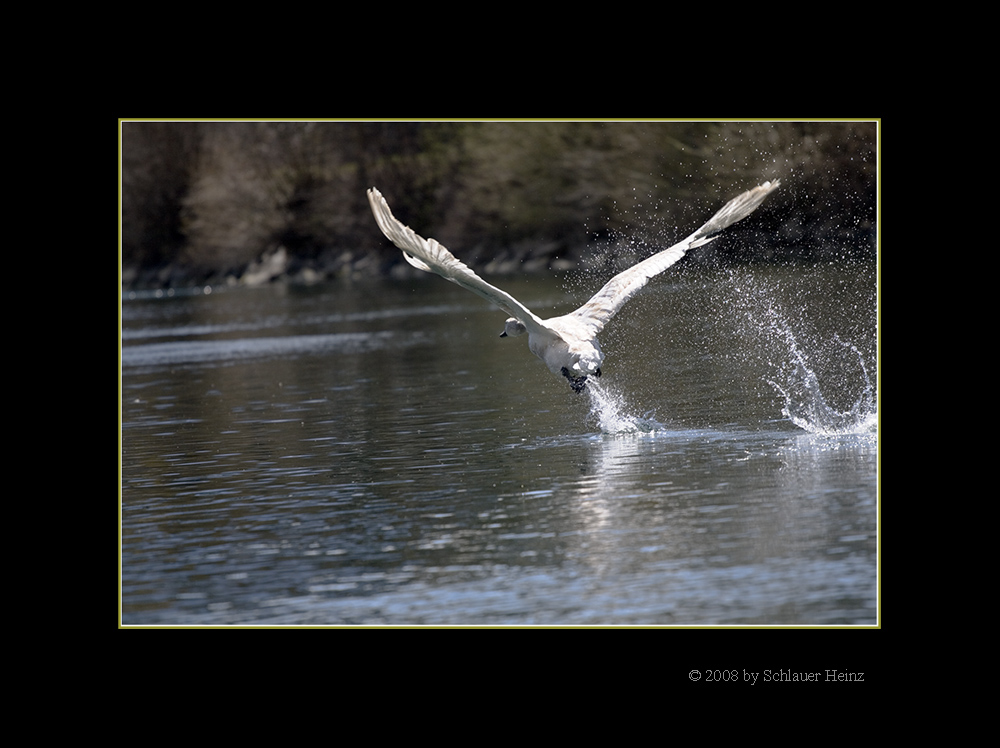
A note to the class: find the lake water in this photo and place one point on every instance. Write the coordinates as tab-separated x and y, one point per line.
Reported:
376	454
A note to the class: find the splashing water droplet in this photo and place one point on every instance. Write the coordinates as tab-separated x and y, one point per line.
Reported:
807	408
815	372
608	409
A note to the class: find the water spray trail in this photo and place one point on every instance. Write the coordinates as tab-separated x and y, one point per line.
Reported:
815	373
805	403
806	406
608	409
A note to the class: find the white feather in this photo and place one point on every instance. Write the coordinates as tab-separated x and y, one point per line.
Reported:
567	344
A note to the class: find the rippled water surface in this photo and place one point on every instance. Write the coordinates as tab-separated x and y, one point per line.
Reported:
376	454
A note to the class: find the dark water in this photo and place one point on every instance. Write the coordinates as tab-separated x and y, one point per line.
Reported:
375	454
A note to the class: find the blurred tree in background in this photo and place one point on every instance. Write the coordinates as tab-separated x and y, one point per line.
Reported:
203	201
157	163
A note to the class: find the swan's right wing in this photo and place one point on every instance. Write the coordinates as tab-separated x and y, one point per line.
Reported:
430	256
623	286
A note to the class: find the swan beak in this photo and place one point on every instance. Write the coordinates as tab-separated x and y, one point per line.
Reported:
503	334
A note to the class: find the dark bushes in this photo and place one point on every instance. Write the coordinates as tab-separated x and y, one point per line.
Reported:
203	201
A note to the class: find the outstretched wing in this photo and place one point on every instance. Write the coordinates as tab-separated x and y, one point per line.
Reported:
603	305
430	256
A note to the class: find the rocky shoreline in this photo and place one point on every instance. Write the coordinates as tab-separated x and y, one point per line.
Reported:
280	265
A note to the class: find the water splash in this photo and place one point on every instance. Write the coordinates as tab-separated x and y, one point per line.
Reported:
609	410
806	406
816	373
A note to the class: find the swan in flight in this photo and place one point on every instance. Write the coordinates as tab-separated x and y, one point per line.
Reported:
567	344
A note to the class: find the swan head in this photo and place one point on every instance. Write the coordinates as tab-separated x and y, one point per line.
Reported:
512	328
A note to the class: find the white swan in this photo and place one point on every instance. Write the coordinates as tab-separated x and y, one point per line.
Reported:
568	344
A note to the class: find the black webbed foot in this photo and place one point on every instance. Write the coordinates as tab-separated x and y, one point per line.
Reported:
576	383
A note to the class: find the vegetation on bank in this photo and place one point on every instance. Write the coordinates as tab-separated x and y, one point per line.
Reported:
210	201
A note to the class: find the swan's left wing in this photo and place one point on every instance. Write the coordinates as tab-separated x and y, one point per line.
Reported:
430	256
596	312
